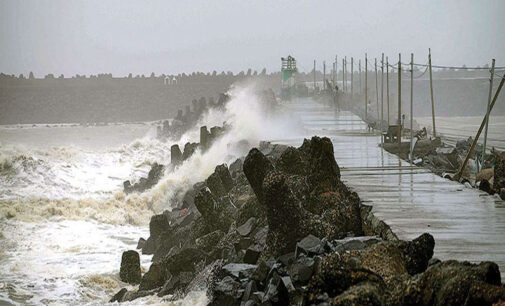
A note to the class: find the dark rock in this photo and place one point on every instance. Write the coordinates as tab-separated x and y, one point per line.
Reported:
175	155
246	228
243	243
252	255
170	285
418	252
301	271
309	245
154	278
204	138
158	224
287	259
433	261
366	294
350	246
141	244
236	167
485	186
209	241
130	267
239	270
256	167
226	292
456	283
250	288
261	272
118	296
224	174
154	175
499	172
215	185
189	150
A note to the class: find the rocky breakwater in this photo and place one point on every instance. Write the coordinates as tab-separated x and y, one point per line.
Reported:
280	227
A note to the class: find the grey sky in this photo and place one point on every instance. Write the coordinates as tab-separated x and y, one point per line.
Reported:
89	37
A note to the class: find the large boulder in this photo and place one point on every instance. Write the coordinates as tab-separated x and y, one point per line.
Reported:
130	267
256	167
499	172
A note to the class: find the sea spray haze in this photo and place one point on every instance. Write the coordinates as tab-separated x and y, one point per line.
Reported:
65	218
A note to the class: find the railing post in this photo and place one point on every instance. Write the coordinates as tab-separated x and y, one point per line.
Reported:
411	107
399	100
387	85
366	88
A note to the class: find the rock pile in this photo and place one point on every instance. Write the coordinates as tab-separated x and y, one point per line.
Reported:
280	227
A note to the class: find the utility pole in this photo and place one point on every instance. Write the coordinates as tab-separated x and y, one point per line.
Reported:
324	75
411	106
336	69
359	67
377	90
314	75
488	109
345	70
366	87
382	91
343	75
399	100
387	85
431	91
352	77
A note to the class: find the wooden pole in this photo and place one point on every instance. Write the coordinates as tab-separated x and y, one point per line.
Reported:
431	91
488	110
387	85
352	77
399	99
463	166
411	106
377	90
366	87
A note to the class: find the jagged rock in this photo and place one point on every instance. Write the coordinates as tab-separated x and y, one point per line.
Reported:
189	149
154	175
118	296
226	292
246	228
158	224
301	271
456	283
130	267
209	241
485	186
256	167
380	263
499	172
204	138
251	255
141	244
309	245
175	155
133	295
364	294
250	288
224	174
418	253
239	270
236	167
154	278
215	185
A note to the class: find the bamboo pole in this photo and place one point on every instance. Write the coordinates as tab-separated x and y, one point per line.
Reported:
457	176
488	110
432	100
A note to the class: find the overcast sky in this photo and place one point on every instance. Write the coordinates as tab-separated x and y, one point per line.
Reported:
90	37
